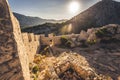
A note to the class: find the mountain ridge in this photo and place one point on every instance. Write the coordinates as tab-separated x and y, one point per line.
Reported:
33	21
102	13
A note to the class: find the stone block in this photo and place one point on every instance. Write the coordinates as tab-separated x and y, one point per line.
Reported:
14	63
3	68
25	37
4	58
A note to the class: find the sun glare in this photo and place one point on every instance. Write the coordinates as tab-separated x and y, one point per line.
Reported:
74	7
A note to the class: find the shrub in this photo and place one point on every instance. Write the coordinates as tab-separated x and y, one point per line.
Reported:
65	42
84	45
102	33
35	78
37	59
35	69
91	42
68	44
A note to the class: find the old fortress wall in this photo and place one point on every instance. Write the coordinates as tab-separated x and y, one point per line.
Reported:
18	49
32	44
13	57
56	39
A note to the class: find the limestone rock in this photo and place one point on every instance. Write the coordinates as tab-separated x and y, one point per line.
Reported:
92	37
112	28
73	45
83	36
90	31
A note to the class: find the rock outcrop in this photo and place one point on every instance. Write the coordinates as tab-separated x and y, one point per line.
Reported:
13	58
81	64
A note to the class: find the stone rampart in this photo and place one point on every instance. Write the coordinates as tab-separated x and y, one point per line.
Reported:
32	44
14	64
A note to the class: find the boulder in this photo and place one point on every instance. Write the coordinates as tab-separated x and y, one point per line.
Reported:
83	36
111	28
89	31
92	37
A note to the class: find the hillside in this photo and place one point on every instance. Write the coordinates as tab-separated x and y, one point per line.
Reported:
26	21
46	28
102	13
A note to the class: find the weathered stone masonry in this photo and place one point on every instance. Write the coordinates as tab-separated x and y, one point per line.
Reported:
13	57
17	49
32	44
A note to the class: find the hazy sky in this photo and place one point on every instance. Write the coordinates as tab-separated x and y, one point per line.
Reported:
48	9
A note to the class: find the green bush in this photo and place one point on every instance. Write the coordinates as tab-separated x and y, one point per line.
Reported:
68	44
91	42
35	69
65	42
101	32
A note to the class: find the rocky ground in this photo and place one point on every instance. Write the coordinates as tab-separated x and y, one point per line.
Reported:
82	64
97	58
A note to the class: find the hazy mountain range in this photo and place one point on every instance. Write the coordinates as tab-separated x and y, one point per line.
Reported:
26	21
102	13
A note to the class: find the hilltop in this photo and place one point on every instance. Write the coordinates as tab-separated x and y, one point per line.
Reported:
102	13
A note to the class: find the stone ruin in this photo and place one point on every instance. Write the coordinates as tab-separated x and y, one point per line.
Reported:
13	57
17	49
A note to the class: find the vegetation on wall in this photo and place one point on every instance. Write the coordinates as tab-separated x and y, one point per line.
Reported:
65	42
102	33
91	42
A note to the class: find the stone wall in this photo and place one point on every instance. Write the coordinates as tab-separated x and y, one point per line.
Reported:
13	58
109	33
17	49
32	44
44	40
56	39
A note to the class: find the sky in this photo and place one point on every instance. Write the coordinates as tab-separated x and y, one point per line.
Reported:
49	9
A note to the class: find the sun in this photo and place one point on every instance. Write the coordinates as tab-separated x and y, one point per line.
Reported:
74	7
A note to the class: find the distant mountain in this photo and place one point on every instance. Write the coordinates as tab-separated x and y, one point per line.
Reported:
46	28
26	21
102	13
